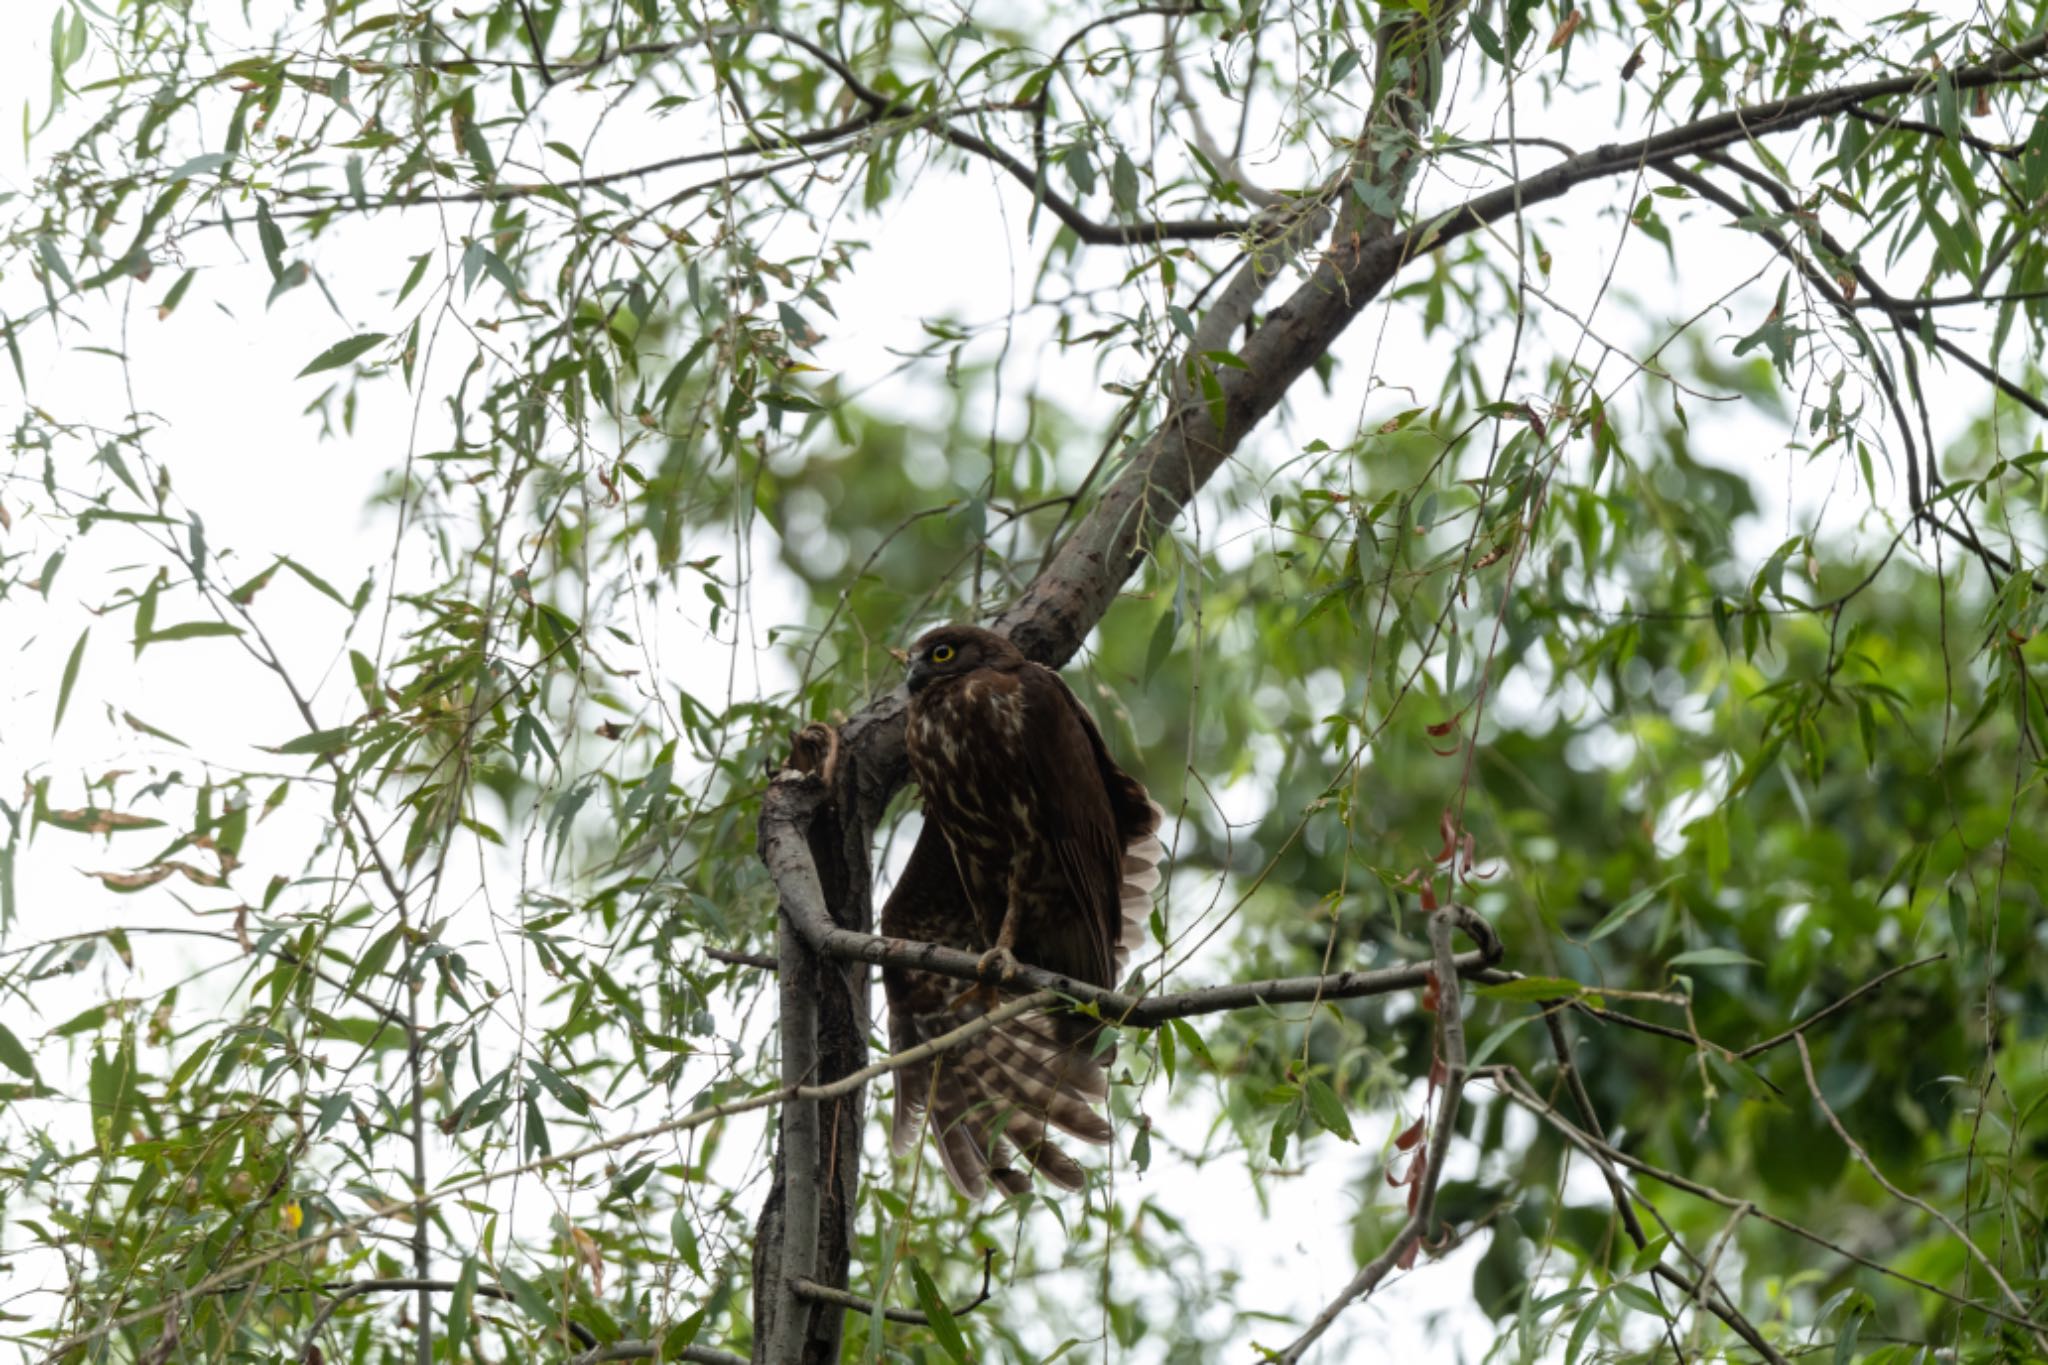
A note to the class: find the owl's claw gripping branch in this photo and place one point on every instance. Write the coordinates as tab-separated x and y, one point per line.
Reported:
998	965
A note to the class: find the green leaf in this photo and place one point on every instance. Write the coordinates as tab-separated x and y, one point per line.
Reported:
458	1308
14	1056
1123	183
1589	1318
1328	1109
313	580
560	1087
413	276
271	237
531	1298
1713	957
176	296
683	1234
1627	910
374	959
204	164
944	1328
191	630
1192	1041
1533	988
70	678
46	248
341	352
1492	1042
1161	646
1845	1342
241	597
1640	1299
318	742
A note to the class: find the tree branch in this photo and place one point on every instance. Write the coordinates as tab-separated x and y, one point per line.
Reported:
1695	138
806	913
1819	279
583	1334
1892	123
653	1350
1516	1088
1451	1035
1700	1290
1976	1253
1799	1029
856	1303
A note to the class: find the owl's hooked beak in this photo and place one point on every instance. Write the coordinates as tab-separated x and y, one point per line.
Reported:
919	676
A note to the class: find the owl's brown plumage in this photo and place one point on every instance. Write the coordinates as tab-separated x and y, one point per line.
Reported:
1035	844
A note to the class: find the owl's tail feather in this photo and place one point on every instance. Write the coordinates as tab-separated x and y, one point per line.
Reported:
1143	854
994	1101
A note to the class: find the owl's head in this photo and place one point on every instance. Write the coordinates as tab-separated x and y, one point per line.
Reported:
951	651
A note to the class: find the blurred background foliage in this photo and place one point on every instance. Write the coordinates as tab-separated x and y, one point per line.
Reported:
1642	605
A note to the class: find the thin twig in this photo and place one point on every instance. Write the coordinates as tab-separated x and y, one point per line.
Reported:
1516	1088
1976	1252
764	961
840	1298
1826	1010
342	1295
653	1350
1451	1034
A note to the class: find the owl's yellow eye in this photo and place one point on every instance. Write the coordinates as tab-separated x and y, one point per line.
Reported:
943	654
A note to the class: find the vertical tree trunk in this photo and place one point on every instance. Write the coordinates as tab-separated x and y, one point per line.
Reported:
806	1227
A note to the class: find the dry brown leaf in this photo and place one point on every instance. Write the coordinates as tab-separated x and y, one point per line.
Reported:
1566	29
133	881
591	1257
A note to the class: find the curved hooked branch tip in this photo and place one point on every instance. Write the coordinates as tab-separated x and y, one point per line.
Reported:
840	1298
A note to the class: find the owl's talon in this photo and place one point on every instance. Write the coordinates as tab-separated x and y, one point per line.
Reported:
997	966
982	997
